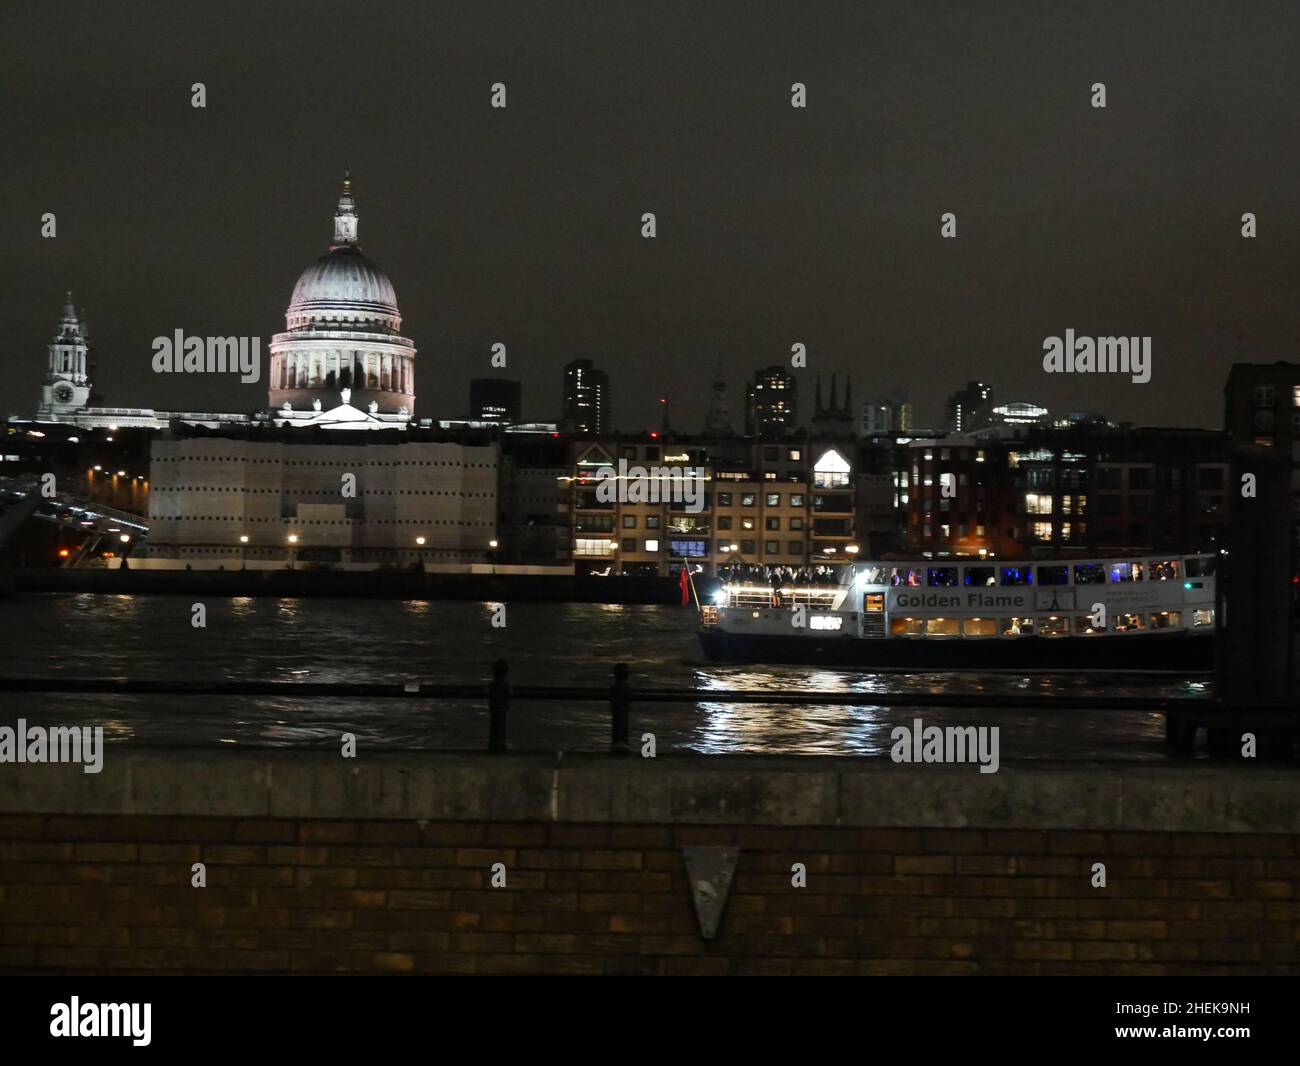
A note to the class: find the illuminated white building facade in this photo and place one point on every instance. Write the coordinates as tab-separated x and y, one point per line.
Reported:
233	500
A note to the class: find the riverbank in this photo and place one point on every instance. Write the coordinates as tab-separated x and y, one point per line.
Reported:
368	584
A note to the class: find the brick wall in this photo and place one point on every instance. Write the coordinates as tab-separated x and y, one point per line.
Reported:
112	893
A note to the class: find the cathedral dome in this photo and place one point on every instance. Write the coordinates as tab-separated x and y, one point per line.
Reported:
343	281
343	289
343	343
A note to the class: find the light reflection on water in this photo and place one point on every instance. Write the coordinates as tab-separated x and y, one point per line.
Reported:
249	638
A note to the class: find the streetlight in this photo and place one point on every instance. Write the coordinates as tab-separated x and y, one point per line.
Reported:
293	539
494	544
243	551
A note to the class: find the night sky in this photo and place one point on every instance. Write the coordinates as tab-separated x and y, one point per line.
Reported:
776	225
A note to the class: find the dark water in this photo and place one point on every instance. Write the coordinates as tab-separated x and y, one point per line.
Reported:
85	635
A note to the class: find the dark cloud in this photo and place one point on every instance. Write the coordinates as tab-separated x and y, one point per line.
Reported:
775	225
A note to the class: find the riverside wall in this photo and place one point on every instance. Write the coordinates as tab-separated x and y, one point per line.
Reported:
386	864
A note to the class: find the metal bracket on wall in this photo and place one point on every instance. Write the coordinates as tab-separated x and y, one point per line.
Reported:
710	871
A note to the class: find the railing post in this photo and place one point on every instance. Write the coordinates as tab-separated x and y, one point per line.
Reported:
498	705
620	699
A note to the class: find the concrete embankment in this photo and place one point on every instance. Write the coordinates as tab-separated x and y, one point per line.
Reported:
375	584
387	863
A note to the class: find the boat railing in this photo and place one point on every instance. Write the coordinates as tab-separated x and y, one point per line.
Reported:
821	597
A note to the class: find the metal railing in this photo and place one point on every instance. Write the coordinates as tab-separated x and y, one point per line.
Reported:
1184	715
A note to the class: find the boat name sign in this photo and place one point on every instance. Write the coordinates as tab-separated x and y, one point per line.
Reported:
904	599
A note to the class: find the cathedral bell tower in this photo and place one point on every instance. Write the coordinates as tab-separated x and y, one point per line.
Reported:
67	388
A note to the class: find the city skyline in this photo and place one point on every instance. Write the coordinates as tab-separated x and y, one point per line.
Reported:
1107	209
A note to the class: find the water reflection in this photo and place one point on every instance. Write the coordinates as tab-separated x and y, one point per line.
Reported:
294	639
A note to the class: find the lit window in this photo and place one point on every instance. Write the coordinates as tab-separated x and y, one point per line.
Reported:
831	470
1017	575
980	627
825	621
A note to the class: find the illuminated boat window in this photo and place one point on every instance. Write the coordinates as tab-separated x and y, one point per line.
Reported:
1126	622
1054	626
941	577
1164	569
1017	575
1203	616
942	627
907	627
1089	574
980	627
1017	627
1167	620
911	577
1083	625
980	576
1121	572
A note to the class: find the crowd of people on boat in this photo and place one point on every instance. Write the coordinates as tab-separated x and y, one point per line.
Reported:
779	576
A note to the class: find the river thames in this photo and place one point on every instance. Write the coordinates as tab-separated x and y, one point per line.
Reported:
151	637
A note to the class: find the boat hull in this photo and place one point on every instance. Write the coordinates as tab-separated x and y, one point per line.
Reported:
1182	651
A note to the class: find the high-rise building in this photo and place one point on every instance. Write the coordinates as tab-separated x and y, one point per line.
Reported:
495	400
892	414
771	405
965	408
1262	411
717	423
877	419
904	422
586	398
